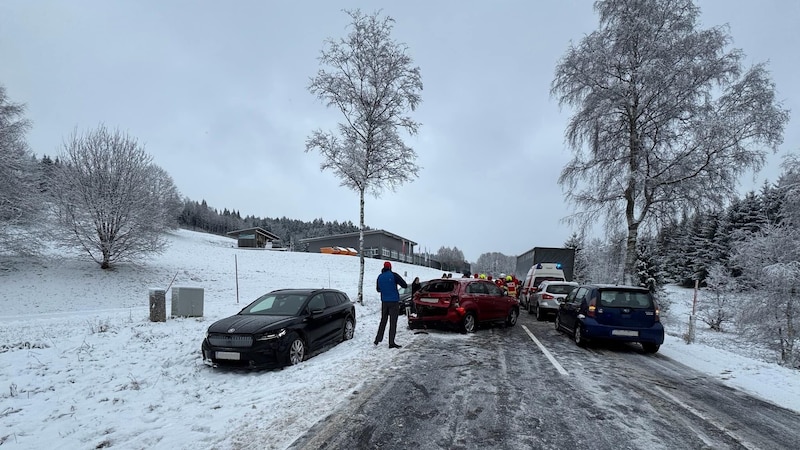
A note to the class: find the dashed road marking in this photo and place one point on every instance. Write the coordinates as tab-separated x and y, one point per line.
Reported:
546	352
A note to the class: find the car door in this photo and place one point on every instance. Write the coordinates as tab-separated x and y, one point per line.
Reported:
474	298
334	304
318	321
498	300
568	310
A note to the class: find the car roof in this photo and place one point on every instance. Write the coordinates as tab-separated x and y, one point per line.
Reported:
607	286
571	283
304	291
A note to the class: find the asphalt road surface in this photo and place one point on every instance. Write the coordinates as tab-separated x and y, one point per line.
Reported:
530	387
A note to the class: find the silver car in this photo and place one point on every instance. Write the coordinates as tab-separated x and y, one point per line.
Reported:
548	296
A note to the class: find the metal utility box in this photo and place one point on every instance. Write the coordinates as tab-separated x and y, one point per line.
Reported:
187	302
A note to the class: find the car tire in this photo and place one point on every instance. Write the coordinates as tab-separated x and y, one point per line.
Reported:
577	335
348	329
649	347
469	323
296	350
513	315
539	315
557	323
528	307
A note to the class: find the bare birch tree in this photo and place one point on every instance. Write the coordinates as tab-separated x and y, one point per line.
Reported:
20	202
666	118
371	80
112	202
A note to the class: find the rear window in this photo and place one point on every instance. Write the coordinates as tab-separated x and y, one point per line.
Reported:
626	299
560	288
439	286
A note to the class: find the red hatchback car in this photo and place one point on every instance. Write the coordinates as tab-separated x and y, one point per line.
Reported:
463	303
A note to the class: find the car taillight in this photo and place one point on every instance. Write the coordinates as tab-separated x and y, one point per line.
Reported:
454	301
547	297
592	308
658	315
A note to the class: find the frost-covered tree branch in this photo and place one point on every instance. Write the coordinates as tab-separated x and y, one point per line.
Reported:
666	117
111	201
20	202
372	81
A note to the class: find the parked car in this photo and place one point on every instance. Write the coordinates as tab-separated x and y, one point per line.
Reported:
406	302
463	303
548	296
279	328
538	273
611	312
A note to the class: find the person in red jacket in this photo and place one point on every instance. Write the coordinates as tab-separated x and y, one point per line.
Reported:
511	286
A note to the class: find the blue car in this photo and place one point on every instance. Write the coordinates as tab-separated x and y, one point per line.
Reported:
606	312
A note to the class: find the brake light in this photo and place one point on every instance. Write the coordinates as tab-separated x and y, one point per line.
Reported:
454	301
547	297
658	315
592	307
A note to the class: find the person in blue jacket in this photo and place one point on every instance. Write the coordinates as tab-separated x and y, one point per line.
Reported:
390	302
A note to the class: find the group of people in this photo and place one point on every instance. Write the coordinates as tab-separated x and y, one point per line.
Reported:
508	283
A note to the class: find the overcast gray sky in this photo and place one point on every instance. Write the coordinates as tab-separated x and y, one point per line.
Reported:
217	92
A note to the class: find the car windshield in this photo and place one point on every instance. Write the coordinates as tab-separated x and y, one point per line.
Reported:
276	305
626	299
560	288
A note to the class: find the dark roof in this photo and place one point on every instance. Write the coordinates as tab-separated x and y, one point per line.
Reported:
305	291
257	230
356	233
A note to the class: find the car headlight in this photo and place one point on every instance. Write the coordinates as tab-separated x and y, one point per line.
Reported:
271	335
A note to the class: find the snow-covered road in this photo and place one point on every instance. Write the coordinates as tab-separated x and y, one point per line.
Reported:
497	389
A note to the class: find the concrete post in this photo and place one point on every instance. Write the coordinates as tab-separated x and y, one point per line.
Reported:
158	305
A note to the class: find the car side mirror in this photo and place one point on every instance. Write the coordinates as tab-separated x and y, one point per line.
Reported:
316	312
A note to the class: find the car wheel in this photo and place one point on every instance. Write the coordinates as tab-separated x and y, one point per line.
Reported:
511	320
649	347
296	351
469	323
539	315
557	323
348	330
529	308
578	335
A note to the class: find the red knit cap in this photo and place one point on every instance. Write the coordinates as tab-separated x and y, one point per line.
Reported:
387	265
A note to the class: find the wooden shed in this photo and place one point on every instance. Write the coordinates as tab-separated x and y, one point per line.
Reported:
253	237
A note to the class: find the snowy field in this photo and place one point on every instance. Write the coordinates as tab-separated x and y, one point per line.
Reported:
82	367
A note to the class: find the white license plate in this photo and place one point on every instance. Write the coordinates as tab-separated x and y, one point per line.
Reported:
429	300
233	356
624	333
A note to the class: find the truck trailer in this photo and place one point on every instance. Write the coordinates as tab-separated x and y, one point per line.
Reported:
564	256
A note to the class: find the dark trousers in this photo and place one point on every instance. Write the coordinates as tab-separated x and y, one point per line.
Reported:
389	310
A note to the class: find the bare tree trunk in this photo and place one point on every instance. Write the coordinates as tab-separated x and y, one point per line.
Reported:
629	276
361	249
787	340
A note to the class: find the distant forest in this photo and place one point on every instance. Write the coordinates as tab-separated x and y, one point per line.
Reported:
201	217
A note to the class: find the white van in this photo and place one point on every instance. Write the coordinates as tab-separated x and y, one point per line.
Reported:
538	273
